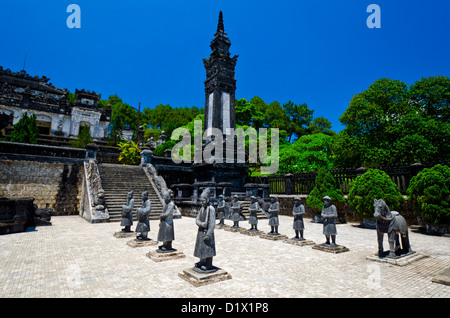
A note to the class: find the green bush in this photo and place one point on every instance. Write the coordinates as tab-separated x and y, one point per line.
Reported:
429	193
25	130
84	138
159	151
129	153
373	184
324	185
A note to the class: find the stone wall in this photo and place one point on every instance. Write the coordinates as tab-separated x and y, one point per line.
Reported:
56	185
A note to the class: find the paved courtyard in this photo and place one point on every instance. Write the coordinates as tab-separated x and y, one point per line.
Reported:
73	258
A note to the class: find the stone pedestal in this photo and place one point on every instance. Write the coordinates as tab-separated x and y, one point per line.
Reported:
160	256
443	277
224	226
251	233
331	249
399	260
200	279
234	229
273	237
141	243
124	234
299	242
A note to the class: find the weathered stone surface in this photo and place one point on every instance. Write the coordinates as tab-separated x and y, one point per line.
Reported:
158	256
141	243
331	249
401	260
443	277
200	279
273	237
251	233
52	185
124	234
299	242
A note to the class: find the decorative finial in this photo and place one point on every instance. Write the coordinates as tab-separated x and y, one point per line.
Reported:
220	26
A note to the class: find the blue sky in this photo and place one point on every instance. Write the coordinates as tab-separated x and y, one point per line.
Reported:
318	52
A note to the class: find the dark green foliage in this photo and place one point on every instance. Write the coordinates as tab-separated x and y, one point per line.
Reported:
373	184
159	151
390	123
25	130
308	154
429	192
325	185
84	138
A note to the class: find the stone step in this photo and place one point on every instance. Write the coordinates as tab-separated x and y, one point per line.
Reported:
118	180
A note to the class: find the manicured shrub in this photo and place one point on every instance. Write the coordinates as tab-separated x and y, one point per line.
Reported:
429	193
324	185
159	151
373	184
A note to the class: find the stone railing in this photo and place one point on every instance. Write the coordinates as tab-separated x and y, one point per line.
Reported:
92	203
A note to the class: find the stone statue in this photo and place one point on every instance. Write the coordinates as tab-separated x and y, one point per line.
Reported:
205	246
253	209
329	213
273	211
298	211
392	223
127	213
236	215
143	213
221	210
166	229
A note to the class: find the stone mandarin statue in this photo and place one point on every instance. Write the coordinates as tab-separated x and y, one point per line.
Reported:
166	229
127	213
298	212
253	209
329	213
236	211
143	213
205	246
273	211
221	210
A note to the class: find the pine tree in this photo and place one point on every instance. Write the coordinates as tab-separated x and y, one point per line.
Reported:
25	130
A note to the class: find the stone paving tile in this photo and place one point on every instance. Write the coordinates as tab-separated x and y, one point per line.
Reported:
73	258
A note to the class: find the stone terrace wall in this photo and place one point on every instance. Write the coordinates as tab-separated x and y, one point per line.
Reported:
57	185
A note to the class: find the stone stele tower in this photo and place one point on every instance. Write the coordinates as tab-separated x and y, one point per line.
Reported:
220	84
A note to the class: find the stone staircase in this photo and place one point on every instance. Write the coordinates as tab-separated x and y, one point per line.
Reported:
118	180
245	205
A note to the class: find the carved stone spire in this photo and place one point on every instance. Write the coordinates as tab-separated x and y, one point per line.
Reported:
220	84
220	27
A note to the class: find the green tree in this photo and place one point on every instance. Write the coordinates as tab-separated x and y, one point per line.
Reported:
373	184
25	130
308	154
320	125
244	112
325	185
429	193
122	116
389	123
299	117
432	95
258	117
84	138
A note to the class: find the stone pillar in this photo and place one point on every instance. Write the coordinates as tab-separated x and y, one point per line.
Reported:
146	156
91	152
360	171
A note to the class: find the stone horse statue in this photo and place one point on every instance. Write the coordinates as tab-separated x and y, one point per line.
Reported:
392	223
